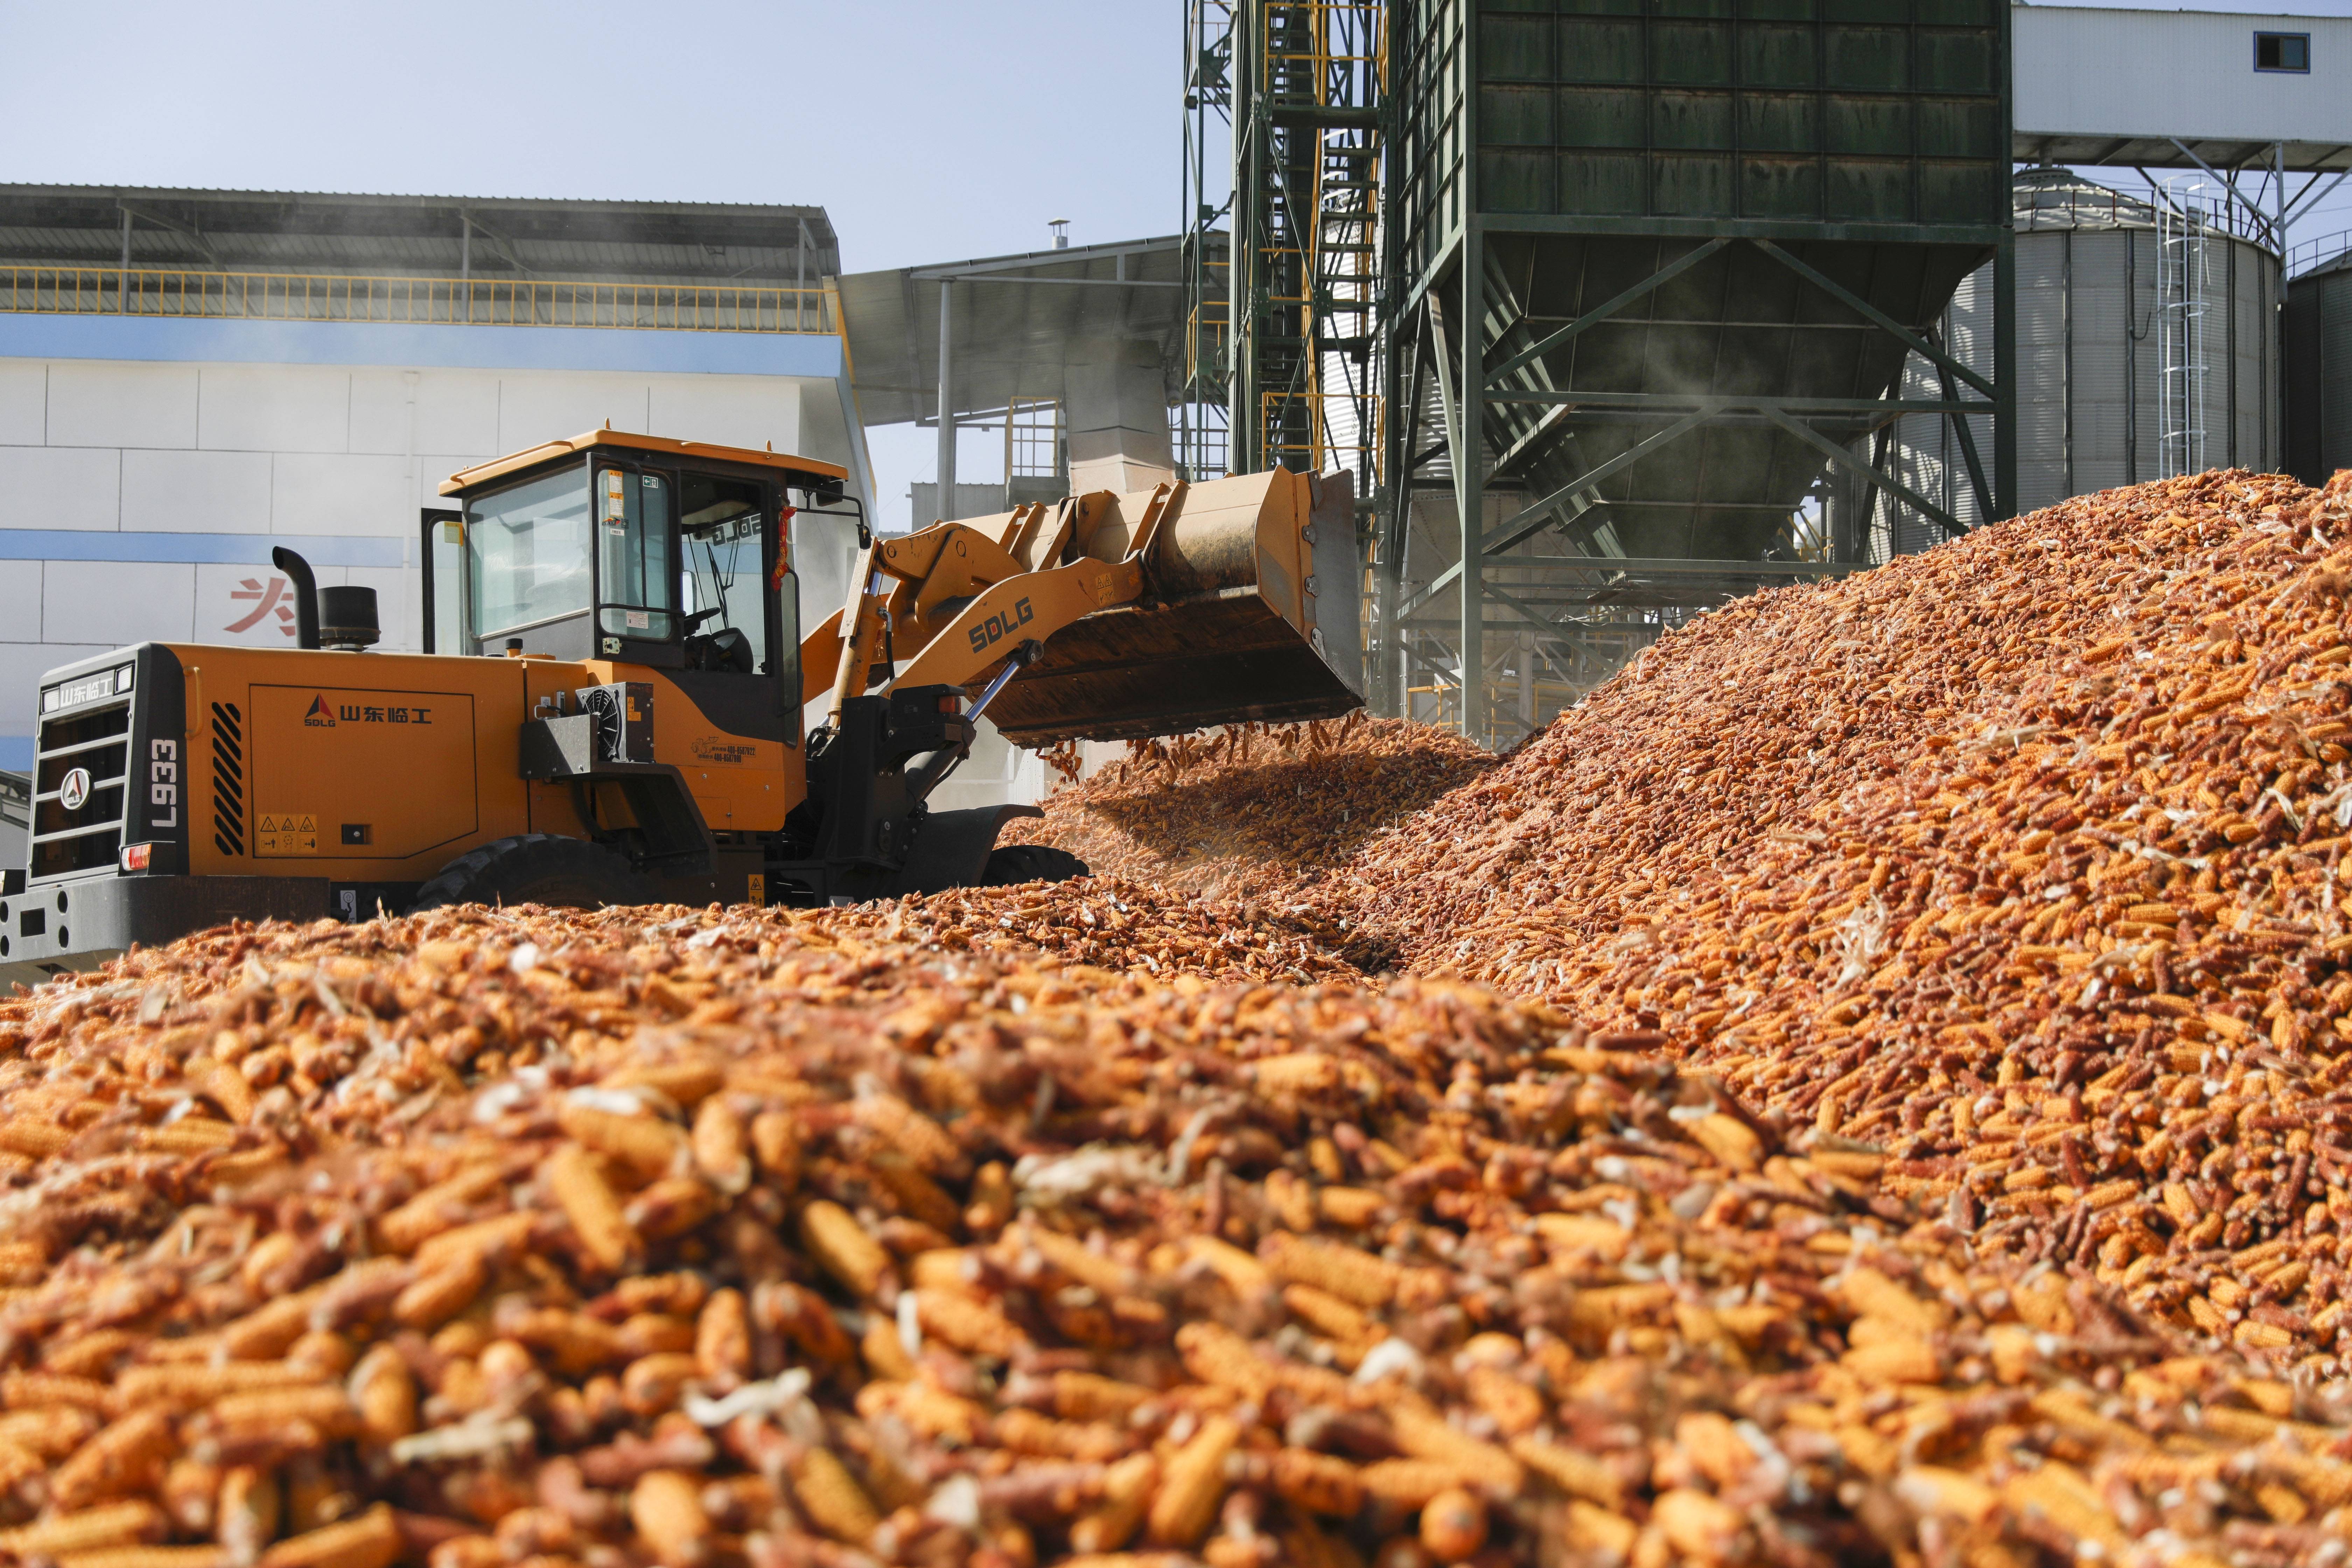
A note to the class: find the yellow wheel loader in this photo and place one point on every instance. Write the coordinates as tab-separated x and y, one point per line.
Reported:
611	708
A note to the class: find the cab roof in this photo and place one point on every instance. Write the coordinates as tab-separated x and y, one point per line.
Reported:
469	478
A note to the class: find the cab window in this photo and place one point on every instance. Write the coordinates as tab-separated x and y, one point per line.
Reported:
527	553
638	594
722	533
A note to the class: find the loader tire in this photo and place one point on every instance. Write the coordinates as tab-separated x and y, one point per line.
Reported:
1009	864
537	868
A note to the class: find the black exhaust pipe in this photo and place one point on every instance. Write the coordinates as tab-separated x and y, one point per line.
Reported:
306	594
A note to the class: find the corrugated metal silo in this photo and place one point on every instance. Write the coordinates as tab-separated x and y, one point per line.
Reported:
2319	370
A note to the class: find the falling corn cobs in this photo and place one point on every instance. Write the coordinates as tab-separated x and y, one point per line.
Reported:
1913	1140
1245	812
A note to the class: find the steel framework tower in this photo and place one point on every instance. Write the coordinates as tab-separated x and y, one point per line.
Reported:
1654	265
1286	338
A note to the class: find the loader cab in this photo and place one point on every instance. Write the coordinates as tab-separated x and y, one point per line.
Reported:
671	555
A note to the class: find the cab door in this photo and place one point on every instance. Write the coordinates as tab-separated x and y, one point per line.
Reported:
636	580
738	612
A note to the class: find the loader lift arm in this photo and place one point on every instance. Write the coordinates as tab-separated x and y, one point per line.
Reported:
1148	612
973	595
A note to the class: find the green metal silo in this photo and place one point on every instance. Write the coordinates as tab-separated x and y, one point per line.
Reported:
1695	240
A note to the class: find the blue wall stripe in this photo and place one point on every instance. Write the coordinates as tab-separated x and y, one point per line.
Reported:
30	336
204	549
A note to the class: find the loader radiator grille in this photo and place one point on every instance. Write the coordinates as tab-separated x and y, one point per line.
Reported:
228	779
80	789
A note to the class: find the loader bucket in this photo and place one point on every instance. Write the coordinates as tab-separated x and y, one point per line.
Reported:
1250	612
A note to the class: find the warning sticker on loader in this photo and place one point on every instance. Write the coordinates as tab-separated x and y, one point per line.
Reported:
286	833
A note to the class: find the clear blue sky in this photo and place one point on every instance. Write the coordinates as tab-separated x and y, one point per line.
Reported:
930	129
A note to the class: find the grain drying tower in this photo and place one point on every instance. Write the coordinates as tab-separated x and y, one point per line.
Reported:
1658	261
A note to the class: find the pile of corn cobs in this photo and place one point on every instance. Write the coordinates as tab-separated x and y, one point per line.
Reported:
1091	1224
2022	858
693	1239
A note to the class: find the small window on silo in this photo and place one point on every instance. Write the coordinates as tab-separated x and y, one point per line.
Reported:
2283	52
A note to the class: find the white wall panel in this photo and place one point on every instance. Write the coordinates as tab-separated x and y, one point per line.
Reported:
101	403
274	408
435	467
2093	71
453	410
24	403
257	449
535	407
20	602
60	487
111	602
341	493
195	492
729	410
22	665
825	431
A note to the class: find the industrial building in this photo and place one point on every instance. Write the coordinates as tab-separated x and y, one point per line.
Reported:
189	378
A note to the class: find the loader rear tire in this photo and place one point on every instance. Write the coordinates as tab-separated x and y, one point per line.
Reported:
537	868
1011	864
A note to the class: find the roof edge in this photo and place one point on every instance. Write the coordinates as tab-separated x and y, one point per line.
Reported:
514	462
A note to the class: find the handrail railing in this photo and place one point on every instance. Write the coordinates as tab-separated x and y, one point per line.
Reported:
2312	253
416	301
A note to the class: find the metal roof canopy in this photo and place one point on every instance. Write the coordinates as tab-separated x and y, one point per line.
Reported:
2178	90
1016	324
2085	151
303	231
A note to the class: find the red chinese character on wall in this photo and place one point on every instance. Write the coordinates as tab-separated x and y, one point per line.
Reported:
273	597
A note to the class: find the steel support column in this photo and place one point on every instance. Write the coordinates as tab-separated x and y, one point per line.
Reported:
2004	375
1469	483
1470	398
1247	256
947	409
1395	512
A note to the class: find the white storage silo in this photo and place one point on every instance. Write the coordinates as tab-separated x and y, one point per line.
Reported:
2147	345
